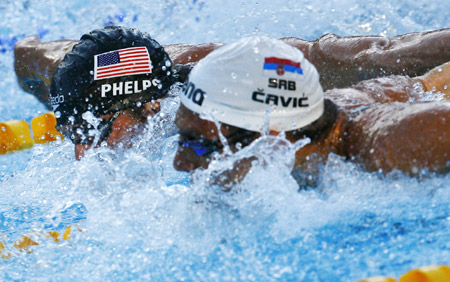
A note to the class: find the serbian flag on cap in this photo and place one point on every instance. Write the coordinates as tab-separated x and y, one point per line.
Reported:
281	67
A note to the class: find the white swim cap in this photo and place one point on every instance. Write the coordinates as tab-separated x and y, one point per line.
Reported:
237	83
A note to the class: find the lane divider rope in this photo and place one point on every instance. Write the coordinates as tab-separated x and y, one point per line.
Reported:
25	242
16	135
429	273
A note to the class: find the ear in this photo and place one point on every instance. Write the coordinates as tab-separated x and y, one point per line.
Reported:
274	133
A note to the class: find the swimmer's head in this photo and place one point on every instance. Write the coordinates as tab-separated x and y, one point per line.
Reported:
253	84
254	81
110	70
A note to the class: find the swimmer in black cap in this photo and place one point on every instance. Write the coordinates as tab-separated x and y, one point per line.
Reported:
99	90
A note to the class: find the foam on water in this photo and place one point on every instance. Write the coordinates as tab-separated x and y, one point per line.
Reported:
142	220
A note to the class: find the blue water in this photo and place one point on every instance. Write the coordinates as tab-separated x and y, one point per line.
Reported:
142	220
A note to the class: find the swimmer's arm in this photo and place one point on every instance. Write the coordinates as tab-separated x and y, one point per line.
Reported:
35	63
343	61
437	80
404	137
396	88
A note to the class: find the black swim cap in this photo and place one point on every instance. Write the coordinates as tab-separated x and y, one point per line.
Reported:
109	70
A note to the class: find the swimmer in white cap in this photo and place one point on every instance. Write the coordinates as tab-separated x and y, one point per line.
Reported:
375	123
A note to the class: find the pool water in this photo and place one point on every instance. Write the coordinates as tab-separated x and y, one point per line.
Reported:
141	220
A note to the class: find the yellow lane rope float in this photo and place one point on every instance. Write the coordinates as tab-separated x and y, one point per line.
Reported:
16	135
44	128
378	279
25	242
430	273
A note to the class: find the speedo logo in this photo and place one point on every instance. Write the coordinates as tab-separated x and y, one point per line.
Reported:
197	95
56	99
271	99
128	87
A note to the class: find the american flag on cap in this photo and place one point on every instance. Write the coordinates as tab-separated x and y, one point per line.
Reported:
128	61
